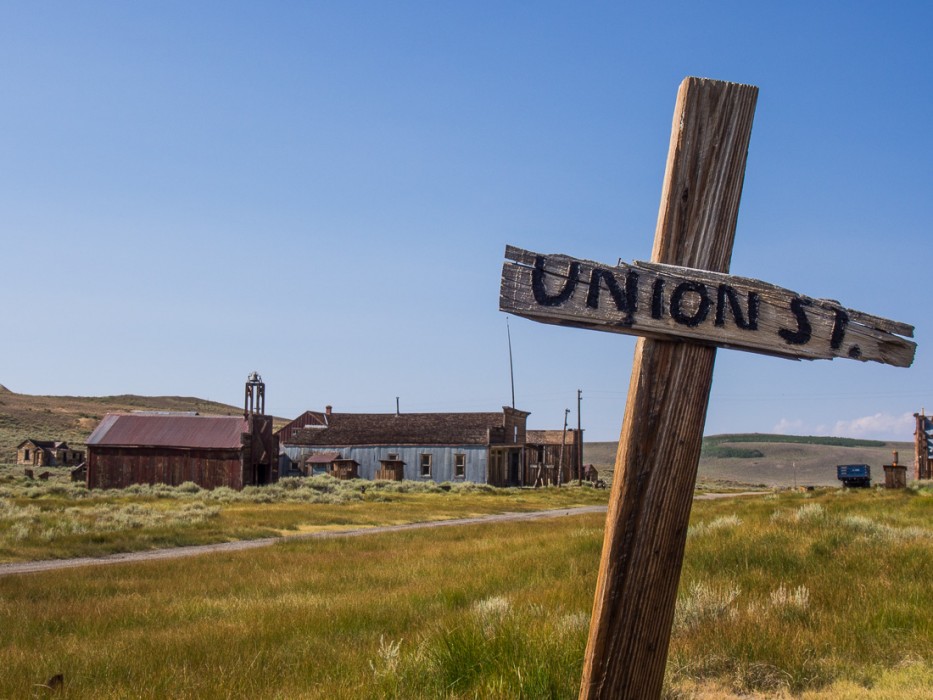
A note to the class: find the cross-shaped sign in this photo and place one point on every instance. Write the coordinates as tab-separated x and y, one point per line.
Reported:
684	295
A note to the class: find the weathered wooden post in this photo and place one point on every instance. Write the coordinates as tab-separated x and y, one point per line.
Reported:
683	294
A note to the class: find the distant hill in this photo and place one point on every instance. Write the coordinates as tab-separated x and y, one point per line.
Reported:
777	460
72	418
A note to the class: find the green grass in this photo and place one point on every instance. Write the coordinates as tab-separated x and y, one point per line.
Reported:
791	439
727	452
822	595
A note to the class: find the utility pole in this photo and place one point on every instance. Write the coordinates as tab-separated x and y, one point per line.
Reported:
563	440
579	441
511	367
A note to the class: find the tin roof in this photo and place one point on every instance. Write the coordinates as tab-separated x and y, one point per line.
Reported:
322	458
162	430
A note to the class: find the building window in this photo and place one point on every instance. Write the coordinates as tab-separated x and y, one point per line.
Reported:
460	466
393	456
26	454
425	464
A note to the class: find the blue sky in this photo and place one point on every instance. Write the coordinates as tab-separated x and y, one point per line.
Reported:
323	191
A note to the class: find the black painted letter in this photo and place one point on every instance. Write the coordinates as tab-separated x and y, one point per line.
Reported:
839	329
540	292
625	299
726	292
802	335
657	299
677	299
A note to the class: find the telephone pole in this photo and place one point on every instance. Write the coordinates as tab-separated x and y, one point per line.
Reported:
579	441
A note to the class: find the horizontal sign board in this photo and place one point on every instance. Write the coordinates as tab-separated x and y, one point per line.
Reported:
677	303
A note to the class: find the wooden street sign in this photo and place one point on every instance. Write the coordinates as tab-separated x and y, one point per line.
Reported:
683	294
670	302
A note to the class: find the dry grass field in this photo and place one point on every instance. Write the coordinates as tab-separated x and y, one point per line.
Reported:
800	461
819	596
56	518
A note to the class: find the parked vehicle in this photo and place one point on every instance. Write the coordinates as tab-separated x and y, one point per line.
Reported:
854	475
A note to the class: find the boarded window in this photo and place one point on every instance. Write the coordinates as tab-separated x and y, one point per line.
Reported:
460	466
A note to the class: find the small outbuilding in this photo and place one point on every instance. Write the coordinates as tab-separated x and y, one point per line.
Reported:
345	469
320	463
47	453
553	456
895	475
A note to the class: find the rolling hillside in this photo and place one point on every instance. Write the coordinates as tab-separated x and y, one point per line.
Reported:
777	460
72	418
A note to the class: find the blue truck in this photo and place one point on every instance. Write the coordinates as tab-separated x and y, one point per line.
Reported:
854	475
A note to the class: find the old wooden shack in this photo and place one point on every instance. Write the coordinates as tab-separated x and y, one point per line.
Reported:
211	451
47	453
553	457
477	447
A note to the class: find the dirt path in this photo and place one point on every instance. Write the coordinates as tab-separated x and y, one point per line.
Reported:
28	567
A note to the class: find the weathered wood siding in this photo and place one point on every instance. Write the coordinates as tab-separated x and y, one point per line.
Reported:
119	467
549	456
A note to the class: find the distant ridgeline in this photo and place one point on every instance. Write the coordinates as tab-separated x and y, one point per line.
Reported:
713	446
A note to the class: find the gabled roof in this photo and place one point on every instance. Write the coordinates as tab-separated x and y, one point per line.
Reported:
306	419
45	444
166	430
403	429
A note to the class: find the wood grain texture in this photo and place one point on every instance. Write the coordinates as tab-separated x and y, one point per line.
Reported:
729	311
662	431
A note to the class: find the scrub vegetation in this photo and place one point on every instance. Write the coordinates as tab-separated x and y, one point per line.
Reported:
56	518
810	595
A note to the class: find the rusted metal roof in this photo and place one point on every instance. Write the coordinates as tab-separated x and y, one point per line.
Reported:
322	458
184	431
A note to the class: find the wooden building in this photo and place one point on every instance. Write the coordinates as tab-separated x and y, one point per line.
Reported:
553	457
211	451
47	453
308	419
478	447
173	448
391	470
345	469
